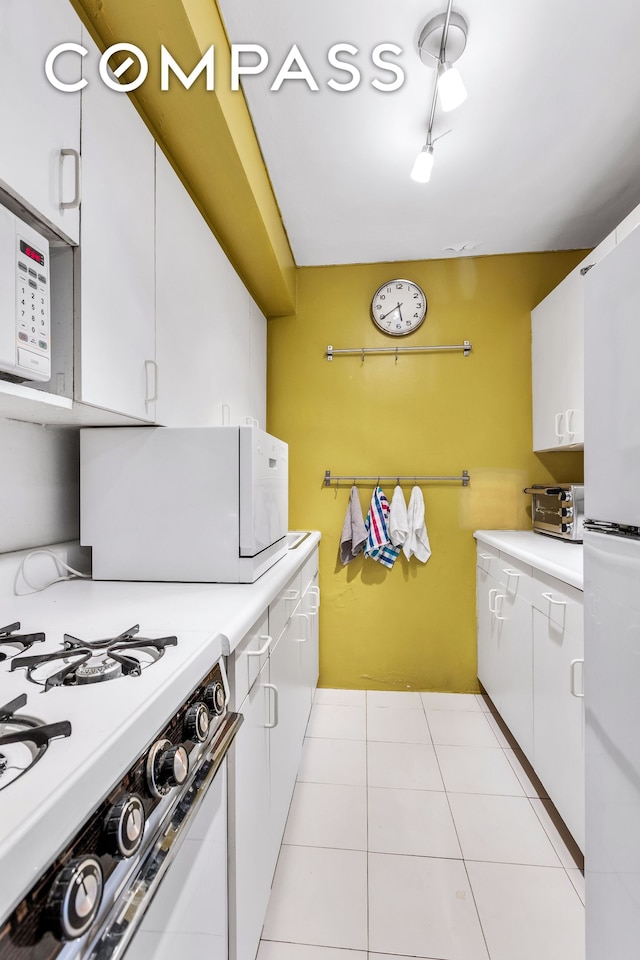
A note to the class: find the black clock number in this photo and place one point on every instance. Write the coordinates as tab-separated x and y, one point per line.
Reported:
415	296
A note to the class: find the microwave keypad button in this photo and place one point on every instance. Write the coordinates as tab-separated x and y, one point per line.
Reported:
41	278
33	273
23	337
33	284
22	266
42	344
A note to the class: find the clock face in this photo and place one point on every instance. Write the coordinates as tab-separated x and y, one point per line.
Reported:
399	307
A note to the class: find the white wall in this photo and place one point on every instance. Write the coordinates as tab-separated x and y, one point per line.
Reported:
39	485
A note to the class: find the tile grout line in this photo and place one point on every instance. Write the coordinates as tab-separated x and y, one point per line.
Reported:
366	788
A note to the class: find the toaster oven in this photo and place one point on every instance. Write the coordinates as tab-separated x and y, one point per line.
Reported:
558	510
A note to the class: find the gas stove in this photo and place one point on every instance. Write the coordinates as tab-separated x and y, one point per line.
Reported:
104	734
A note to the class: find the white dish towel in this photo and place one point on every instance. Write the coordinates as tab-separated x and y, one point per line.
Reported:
398	522
417	542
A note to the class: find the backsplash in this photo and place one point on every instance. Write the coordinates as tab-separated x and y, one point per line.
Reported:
39	485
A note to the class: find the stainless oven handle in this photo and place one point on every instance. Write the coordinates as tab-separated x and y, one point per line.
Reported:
127	912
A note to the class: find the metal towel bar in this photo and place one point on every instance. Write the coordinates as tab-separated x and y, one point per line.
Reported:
332	352
464	479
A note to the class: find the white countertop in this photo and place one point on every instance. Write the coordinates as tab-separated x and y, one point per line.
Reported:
558	558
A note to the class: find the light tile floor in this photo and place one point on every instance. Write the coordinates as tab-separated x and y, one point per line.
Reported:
417	829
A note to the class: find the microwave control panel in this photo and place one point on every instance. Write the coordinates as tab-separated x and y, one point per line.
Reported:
25	315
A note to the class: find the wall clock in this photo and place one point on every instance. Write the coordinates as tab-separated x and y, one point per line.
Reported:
398	307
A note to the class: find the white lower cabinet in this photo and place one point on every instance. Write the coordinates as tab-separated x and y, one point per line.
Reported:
250	851
275	703
530	662
558	702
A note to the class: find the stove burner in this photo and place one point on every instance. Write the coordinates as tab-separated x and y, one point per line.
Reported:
12	643
94	661
23	740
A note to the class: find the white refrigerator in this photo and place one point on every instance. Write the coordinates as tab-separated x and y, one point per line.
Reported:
612	603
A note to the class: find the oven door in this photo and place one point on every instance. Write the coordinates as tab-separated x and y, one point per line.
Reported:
188	915
176	905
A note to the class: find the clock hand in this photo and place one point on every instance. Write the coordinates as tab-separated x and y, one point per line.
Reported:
385	315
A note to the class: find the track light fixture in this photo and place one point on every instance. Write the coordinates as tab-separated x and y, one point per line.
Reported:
441	43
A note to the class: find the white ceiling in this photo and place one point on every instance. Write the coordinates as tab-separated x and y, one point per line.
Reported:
544	154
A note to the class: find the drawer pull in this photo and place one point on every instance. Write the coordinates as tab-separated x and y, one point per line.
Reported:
485	556
500	597
315	592
492	608
262	650
572	669
509	572
558	603
274	723
305	617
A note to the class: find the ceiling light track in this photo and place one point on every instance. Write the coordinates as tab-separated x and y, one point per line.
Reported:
446	34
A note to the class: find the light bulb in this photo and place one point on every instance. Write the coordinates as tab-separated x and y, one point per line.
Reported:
451	89
424	165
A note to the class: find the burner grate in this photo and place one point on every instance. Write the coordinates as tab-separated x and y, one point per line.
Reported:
12	643
23	740
96	661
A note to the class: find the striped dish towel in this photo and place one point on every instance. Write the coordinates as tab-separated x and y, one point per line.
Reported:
378	546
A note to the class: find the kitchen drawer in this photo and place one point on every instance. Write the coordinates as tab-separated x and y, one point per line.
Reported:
246	662
283	606
561	603
488	559
308	572
515	576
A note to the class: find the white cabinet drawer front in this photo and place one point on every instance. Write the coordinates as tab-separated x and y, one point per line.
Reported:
309	571
488	559
515	577
250	657
561	603
283	606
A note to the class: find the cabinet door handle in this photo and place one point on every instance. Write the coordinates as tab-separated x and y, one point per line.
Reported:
500	597
509	572
559	435
148	365
262	650
292	595
315	592
305	617
558	603
274	723
494	591
568	419
485	556
572	670
77	195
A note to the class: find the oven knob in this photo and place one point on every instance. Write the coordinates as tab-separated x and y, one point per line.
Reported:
75	898
196	723
167	767
214	698
125	826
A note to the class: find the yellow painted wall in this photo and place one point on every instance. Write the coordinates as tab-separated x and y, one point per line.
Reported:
412	627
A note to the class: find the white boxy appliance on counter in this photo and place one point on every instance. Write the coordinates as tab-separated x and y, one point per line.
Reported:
193	504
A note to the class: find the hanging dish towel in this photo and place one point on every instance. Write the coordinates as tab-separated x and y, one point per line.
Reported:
354	533
378	546
417	542
398	523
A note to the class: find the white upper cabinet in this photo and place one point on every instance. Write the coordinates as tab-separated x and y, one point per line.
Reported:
39	159
211	337
557	360
117	257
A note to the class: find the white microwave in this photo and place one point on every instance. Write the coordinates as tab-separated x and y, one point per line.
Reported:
25	324
192	504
